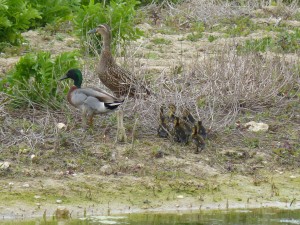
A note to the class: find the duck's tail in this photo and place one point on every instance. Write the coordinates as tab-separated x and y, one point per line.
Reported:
113	105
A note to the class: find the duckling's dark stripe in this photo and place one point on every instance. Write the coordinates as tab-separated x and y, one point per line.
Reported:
112	106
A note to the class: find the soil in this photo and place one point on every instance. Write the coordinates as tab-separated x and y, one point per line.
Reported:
86	172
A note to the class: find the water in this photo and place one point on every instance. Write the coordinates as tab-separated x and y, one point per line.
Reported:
232	217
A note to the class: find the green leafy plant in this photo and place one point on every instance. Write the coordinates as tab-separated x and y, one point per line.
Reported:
54	11
33	81
15	17
118	14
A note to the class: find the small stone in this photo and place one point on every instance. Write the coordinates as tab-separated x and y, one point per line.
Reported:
106	170
25	185
58	201
180	196
293	177
4	165
37	196
61	126
256	127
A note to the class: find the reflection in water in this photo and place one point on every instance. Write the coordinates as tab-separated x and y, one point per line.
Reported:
216	217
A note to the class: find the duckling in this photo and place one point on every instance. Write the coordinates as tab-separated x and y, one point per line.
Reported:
162	130
90	101
198	140
172	112
187	116
201	129
179	132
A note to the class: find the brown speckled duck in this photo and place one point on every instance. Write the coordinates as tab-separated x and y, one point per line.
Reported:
90	100
114	77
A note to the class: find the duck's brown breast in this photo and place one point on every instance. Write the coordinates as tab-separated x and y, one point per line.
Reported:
69	96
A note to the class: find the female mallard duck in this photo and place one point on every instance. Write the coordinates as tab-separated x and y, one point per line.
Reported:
197	139
90	101
114	77
162	130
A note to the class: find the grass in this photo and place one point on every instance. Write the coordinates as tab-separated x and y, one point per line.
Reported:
161	41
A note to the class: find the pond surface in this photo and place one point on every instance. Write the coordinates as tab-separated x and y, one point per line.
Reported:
216	217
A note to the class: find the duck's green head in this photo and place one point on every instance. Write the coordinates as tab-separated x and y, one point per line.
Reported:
74	74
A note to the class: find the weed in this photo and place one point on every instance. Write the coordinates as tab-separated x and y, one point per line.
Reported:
194	36
236	26
59	37
161	41
33	81
212	38
286	42
251	142
152	55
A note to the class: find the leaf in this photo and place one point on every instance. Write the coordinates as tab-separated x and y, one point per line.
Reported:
3	5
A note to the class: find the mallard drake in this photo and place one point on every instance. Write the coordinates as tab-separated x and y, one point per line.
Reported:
162	130
201	129
180	132
90	101
114	77
198	140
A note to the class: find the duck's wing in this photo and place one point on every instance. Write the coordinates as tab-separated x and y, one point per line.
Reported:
126	82
98	93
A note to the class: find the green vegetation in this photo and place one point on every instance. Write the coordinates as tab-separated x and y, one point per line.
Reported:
54	11
194	36
20	15
236	26
33	81
119	15
286	42
212	38
15	17
161	41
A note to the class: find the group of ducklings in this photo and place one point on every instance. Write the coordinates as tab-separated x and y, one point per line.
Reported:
181	129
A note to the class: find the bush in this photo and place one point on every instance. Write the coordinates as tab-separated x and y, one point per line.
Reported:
33	81
118	14
53	11
15	17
